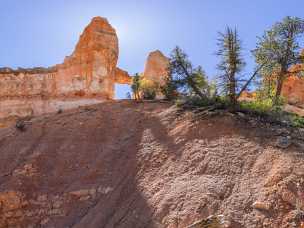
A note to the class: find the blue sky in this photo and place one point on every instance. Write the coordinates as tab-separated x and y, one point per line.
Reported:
43	32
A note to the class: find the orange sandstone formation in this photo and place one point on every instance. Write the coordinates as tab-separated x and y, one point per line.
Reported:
90	72
156	67
248	96
293	87
292	91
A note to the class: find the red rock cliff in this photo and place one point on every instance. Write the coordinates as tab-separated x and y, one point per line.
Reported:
90	72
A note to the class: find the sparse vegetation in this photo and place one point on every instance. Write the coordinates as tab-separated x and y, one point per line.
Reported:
20	125
187	79
217	158
276	51
136	87
231	63
258	106
169	89
148	89
297	121
143	88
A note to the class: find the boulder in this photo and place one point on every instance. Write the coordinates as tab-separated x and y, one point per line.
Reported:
283	142
260	205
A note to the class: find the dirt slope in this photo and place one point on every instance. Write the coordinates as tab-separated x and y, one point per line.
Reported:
122	164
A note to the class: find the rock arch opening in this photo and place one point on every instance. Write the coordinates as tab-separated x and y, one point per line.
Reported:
122	91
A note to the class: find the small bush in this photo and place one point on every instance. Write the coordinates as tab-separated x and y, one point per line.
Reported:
59	111
149	94
136	86
20	125
148	89
297	121
258	106
169	89
196	102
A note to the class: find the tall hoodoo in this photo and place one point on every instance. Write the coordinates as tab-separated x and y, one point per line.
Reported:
156	67
90	72
92	66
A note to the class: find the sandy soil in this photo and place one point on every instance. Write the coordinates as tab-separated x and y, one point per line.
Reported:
123	164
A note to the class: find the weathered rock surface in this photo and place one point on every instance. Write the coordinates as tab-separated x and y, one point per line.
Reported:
126	164
156	67
293	87
122	76
90	72
292	91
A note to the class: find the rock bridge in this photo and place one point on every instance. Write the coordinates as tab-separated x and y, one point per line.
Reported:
86	76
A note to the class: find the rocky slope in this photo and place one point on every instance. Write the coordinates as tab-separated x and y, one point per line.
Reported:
126	164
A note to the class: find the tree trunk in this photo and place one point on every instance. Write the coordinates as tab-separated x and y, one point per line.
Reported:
232	90
195	89
191	82
249	81
279	88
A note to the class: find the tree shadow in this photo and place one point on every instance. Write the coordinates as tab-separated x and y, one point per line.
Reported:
105	147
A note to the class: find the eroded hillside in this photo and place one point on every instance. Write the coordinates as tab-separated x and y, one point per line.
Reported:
127	164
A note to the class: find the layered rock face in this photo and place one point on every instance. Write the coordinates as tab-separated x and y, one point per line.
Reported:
90	72
156	67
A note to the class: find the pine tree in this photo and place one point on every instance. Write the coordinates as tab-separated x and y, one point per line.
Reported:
231	63
277	50
136	87
186	78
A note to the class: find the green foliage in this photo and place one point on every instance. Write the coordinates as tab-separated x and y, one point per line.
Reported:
136	86
148	89
20	125
266	89
297	121
279	46
198	102
264	105
277	50
186	78
212	90
169	89
231	62
149	94
258	106
200	80
144	88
